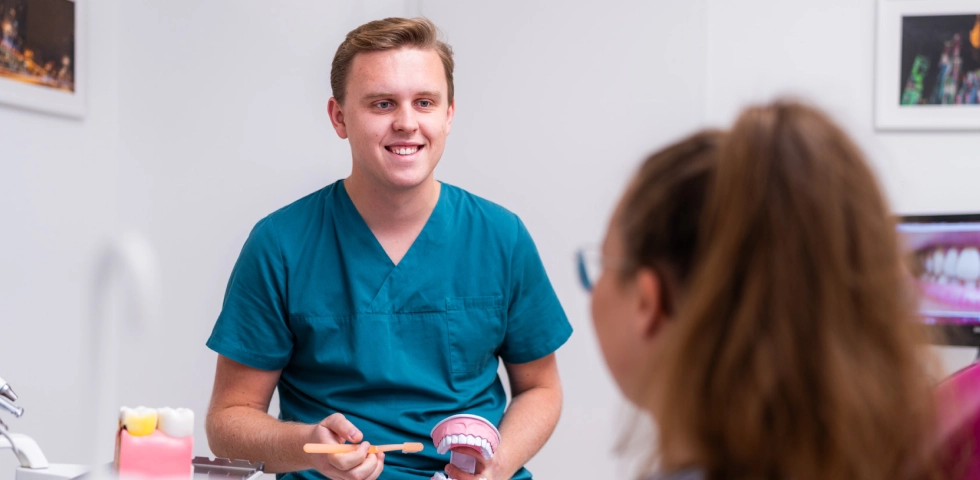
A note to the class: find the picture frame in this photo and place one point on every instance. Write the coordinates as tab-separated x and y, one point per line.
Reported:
43	56
926	61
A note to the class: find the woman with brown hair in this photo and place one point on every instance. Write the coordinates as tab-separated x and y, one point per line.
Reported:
751	297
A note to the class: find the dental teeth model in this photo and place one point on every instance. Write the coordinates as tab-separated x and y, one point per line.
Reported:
461	432
155	442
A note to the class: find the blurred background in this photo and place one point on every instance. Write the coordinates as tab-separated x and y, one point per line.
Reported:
204	116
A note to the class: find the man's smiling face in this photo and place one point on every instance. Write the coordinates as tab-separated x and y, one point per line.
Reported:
396	115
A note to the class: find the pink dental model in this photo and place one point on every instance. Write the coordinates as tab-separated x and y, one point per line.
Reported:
462	432
155	443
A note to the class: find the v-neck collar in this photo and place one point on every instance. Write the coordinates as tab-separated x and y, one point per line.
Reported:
434	225
384	286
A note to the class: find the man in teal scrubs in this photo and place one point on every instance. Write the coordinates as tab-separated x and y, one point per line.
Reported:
380	304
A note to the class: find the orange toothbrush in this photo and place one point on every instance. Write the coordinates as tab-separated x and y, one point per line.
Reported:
407	447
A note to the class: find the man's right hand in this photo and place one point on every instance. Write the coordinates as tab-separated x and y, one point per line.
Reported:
239	426
356	465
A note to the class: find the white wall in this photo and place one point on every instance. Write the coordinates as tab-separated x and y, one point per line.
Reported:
58	191
824	51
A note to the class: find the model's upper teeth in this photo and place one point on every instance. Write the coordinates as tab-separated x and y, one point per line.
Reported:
405	150
486	450
450	441
176	422
138	421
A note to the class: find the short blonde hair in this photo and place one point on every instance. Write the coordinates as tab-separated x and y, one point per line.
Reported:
388	34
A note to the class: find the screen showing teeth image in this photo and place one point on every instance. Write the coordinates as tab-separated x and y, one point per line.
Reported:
946	264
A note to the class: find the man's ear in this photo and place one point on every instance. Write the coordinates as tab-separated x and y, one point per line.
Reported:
336	113
650	302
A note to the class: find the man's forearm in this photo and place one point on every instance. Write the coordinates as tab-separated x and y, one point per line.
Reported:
525	427
247	433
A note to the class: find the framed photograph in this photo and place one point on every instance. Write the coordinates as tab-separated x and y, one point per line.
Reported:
42	55
927	64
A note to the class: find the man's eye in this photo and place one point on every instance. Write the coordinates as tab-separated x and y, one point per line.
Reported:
425	103
384	105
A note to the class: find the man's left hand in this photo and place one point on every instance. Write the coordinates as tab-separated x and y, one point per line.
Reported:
484	468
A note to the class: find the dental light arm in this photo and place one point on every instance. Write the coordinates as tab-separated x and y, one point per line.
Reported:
11	408
27	451
7	397
6	391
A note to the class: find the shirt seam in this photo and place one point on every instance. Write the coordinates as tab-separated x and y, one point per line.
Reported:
282	262
260	362
510	271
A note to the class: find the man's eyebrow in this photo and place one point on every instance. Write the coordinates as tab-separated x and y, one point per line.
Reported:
425	93
377	95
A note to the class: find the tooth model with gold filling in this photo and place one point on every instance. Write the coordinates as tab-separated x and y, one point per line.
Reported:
154	442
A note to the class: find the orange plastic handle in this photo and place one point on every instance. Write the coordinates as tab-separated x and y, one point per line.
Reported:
335	448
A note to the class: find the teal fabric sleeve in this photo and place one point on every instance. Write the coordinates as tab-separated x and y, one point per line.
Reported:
252	328
536	322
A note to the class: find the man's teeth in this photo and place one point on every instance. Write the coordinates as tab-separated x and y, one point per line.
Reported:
176	422
952	265
139	421
404	150
450	441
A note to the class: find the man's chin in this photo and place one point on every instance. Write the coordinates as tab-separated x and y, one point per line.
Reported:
410	182
409	179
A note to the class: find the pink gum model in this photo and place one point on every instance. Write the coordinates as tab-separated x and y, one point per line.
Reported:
465	432
155	455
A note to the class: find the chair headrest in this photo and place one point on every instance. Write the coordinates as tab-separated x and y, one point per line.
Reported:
958	400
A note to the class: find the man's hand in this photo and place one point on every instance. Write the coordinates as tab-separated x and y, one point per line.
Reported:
356	465
484	468
239	426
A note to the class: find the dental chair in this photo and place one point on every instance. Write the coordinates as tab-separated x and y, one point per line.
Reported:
959	423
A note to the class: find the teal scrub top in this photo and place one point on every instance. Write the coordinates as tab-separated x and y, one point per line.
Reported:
395	348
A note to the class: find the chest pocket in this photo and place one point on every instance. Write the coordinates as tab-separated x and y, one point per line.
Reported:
476	332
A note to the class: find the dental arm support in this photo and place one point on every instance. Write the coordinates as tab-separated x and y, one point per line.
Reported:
28	452
33	464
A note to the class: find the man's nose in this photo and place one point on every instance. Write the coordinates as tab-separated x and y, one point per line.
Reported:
405	119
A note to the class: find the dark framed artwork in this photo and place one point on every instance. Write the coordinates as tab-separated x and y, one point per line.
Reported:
42	55
928	65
